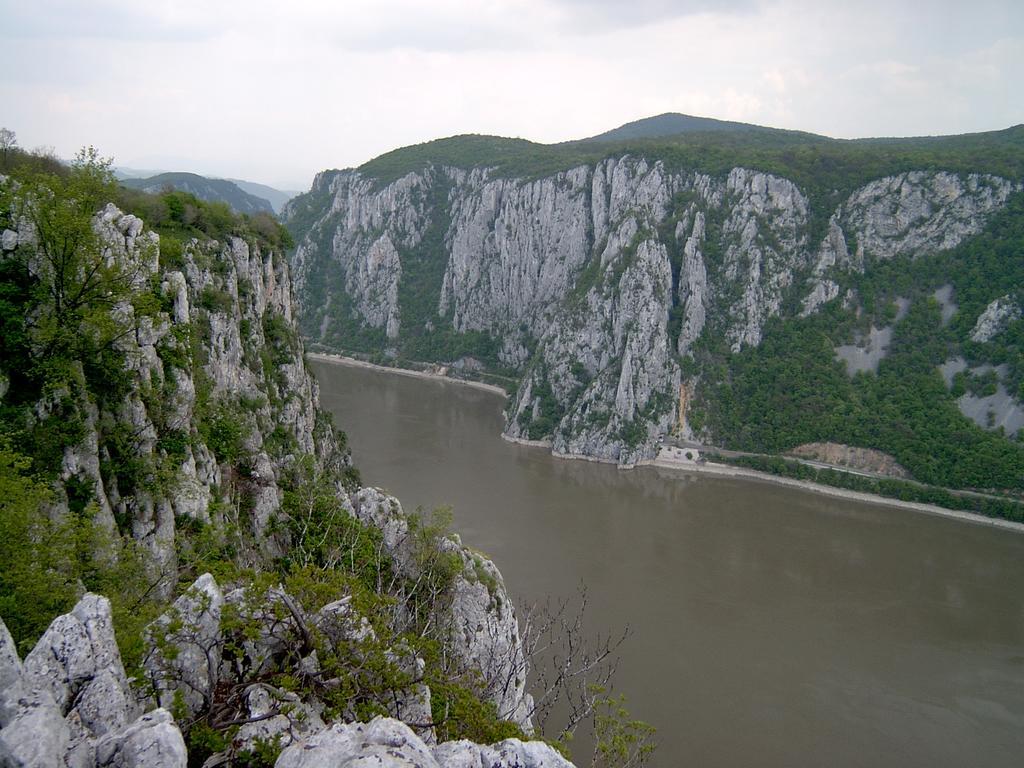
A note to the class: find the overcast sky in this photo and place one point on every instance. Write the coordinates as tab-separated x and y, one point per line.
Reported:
275	91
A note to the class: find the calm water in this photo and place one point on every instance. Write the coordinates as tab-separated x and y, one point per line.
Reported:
771	627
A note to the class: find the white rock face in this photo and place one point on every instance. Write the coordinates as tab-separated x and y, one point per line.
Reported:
390	743
382	742
192	628
37	736
152	741
78	663
993	321
484	631
484	635
70	704
294	719
766	243
508	265
10	676
511	753
548	267
919	211
693	286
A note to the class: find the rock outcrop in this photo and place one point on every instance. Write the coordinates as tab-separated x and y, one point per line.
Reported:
483	632
213	355
995	318
596	281
70	703
217	413
391	744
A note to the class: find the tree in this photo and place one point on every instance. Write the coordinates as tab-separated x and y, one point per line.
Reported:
77	282
8	142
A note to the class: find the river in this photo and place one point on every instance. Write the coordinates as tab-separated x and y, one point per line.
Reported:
769	626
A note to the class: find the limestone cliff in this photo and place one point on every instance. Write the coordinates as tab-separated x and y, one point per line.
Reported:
594	285
205	411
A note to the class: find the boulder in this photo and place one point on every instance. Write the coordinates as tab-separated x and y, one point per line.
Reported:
152	741
78	663
10	676
192	628
36	736
383	742
511	753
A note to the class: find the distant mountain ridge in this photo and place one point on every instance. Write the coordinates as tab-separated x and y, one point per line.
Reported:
276	197
211	190
672	124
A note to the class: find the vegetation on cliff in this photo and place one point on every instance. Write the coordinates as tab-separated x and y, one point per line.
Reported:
763	371
138	375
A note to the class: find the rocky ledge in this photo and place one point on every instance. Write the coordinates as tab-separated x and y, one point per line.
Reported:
70	703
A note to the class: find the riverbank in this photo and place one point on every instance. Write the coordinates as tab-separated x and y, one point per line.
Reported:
664	461
435	375
727	470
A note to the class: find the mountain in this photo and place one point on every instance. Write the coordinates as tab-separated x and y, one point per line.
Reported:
671	124
276	197
754	289
192	569
210	190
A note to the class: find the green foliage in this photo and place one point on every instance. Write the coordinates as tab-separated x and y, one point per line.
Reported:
323	534
224	429
281	338
204	741
33	589
49	563
264	753
75	288
132	469
791	390
180	216
175	349
550	411
270	231
620	740
216	300
172	251
461	714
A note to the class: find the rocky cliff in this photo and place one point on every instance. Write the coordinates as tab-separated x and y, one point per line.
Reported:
594	286
198	427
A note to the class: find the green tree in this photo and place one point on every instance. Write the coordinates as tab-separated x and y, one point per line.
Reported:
77	282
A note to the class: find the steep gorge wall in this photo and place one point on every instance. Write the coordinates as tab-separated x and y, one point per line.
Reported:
213	408
596	283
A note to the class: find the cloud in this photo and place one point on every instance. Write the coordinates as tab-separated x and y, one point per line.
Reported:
97	20
275	92
603	14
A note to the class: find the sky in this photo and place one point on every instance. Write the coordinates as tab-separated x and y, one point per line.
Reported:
276	91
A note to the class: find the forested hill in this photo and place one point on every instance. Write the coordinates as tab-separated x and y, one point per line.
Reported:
671	124
817	164
210	190
751	288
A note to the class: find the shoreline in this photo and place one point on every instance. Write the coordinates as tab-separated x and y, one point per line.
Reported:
352	362
690	467
527	441
727	470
